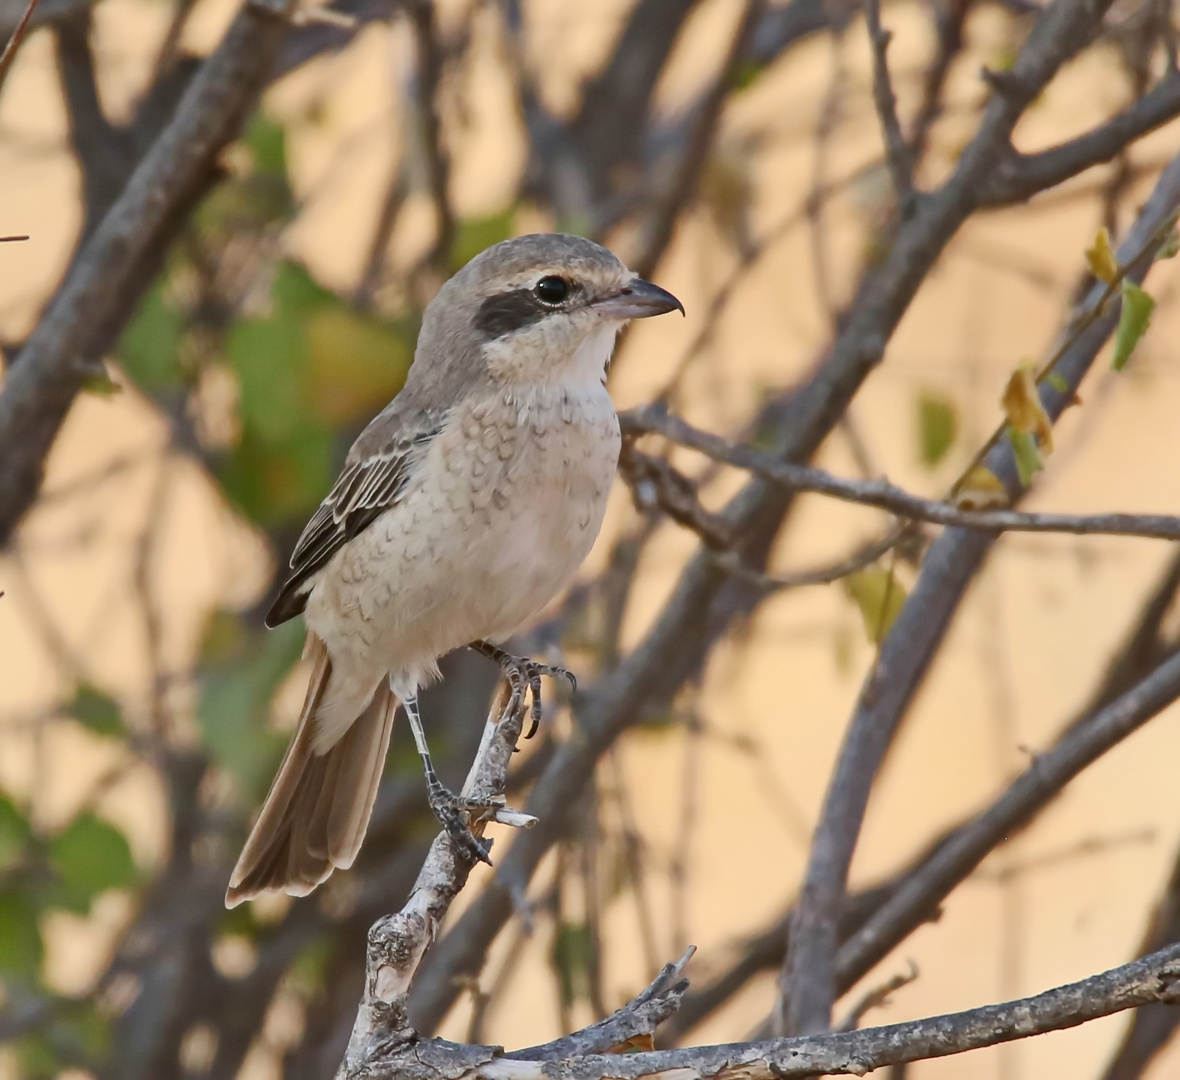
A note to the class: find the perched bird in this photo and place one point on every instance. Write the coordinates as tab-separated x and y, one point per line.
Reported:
461	511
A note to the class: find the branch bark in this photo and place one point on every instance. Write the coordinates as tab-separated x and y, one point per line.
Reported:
1155	978
808	979
886	496
69	341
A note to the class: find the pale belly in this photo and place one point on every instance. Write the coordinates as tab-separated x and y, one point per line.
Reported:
512	501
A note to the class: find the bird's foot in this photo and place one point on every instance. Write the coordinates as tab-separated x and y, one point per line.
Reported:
525	674
452	812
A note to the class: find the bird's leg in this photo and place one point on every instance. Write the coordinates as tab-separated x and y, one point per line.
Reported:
522	673
447	806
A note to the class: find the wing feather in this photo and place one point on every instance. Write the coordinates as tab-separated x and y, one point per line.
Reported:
372	481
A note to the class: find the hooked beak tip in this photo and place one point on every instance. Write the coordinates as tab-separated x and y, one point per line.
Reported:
639	299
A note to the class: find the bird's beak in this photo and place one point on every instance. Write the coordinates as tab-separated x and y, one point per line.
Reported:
638	299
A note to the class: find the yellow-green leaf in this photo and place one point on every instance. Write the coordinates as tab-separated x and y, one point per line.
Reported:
880	597
1101	258
1022	406
1028	457
1133	322
938	424
980	489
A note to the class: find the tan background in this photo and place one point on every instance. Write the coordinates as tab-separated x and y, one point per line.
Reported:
1027	648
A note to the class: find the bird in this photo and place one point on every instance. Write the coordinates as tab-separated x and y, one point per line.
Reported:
461	511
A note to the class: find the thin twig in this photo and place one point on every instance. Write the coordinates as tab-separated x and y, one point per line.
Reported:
9	54
897	153
886	496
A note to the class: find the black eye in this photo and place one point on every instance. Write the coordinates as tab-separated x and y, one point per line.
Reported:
552	289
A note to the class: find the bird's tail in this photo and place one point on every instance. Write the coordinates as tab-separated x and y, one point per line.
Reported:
319	805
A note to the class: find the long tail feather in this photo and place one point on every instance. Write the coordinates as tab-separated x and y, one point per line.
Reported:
319	805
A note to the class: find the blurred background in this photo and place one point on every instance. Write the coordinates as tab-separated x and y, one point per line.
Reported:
733	153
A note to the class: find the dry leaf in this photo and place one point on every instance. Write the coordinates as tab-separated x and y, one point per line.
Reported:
1101	259
1022	405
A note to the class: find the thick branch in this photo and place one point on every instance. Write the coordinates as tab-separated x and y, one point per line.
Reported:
1154	978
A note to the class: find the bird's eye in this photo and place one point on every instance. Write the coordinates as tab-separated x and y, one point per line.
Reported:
552	289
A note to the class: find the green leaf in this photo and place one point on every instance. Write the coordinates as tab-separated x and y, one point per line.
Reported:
1028	457
270	357
1133	322
267	142
97	712
15	834
100	384
938	424
89	856
281	482
235	704
475	234
880	597
21	949
573	957
1056	380
747	74
296	292
149	350
37	1058
355	365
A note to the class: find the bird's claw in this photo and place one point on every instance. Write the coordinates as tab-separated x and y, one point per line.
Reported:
525	674
451	811
522	673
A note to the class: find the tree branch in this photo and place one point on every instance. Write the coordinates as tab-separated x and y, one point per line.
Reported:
1024	175
73	333
1155	978
808	979
897	153
654	419
1049	772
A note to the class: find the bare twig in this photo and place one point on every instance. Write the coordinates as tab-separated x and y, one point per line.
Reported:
427	82
1152	1027
877	996
14	42
653	419
657	230
897	153
822	575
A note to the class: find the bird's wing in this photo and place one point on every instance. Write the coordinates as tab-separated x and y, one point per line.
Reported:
373	480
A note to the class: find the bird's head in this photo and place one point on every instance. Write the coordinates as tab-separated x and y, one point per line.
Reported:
537	308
